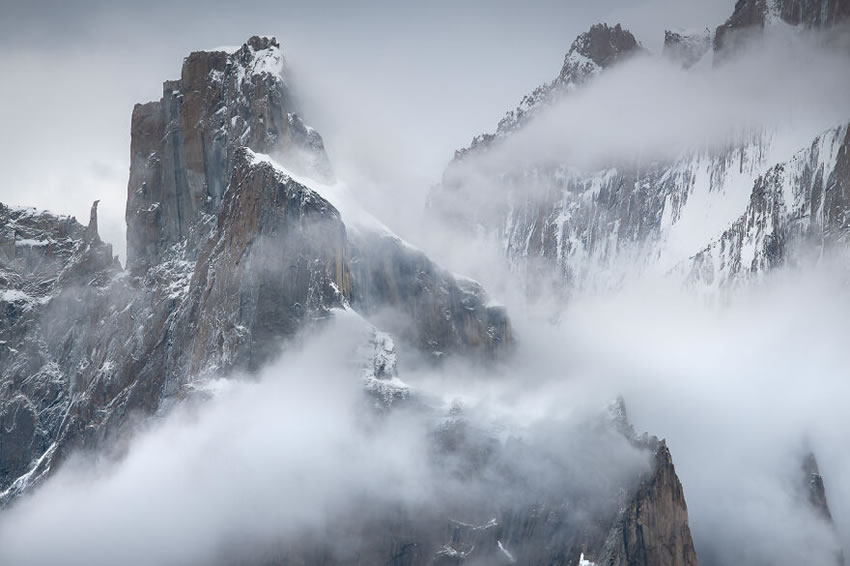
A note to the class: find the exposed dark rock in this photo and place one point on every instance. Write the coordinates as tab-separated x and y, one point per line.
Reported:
814	13
603	46
812	482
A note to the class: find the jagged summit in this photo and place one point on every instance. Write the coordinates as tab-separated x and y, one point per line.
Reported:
812	483
598	48
813	490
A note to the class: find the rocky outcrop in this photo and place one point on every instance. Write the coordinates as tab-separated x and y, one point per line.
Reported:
812	484
507	502
52	273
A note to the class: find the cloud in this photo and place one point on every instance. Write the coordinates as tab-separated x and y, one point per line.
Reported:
297	454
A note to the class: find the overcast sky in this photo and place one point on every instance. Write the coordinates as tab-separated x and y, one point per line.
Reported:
429	75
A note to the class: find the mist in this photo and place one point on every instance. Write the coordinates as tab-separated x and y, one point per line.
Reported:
250	464
740	390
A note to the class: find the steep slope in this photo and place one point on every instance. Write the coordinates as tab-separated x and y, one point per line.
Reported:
803	202
49	266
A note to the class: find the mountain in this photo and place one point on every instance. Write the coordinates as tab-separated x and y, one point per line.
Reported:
229	258
709	217
717	214
241	244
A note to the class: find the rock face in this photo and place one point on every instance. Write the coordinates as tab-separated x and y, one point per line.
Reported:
441	313
276	260
49	265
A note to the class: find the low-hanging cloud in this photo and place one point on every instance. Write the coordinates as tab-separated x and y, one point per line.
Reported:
295	455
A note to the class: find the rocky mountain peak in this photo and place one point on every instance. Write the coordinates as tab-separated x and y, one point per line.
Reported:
813	490
814	487
182	147
598	48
